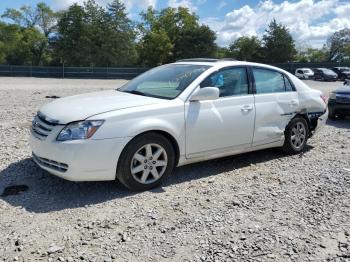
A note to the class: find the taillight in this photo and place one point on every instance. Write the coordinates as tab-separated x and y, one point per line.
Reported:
324	98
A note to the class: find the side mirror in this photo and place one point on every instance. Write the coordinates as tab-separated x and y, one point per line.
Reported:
347	82
206	93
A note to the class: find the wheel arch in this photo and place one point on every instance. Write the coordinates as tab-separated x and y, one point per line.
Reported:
163	133
307	119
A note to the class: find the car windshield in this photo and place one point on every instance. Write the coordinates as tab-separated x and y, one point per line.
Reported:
307	71
165	82
345	70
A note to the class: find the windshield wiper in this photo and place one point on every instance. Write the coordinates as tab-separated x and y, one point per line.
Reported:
135	92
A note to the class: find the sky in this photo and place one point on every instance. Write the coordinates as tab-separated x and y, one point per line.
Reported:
310	22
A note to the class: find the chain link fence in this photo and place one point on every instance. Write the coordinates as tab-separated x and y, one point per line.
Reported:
72	72
117	72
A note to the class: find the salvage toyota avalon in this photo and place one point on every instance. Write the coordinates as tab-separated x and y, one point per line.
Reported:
172	115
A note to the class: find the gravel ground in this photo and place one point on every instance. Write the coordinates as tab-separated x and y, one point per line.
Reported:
260	206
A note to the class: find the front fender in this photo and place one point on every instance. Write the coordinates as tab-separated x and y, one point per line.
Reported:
131	122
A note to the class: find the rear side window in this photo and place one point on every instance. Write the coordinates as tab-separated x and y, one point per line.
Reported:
230	81
268	81
289	87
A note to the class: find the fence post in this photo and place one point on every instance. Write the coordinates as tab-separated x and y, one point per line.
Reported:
63	70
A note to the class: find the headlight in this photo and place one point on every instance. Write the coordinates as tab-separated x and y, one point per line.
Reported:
79	130
332	95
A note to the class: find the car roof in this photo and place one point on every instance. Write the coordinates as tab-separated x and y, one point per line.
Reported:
217	64
224	63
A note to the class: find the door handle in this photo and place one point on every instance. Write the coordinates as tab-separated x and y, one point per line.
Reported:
293	103
247	108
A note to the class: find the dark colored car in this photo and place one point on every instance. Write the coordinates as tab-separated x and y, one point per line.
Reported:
324	74
343	72
339	102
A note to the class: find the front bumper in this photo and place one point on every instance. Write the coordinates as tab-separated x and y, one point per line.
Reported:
330	78
78	160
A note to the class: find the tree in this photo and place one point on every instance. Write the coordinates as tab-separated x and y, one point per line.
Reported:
18	45
338	45
71	42
158	46
347	52
246	48
222	52
278	44
40	20
90	35
187	38
317	55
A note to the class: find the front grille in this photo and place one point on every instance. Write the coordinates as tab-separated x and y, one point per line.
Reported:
343	98
42	125
61	167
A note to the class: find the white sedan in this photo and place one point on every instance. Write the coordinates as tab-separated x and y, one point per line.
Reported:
172	115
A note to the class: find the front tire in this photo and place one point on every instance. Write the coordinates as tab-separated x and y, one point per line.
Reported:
146	162
296	135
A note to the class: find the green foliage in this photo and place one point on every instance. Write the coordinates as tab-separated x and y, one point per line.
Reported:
155	48
35	26
317	55
222	52
246	48
338	45
20	46
90	35
278	44
179	31
347	52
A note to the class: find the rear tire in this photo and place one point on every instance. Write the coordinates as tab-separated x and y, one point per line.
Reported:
296	135
146	162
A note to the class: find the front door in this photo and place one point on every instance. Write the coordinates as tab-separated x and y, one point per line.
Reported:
225	124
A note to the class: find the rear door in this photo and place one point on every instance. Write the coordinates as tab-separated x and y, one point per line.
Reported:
276	102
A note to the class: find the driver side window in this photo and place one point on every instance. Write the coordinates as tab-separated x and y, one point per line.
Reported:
230	82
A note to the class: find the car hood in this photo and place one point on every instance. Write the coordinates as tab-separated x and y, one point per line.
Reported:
80	107
330	74
343	90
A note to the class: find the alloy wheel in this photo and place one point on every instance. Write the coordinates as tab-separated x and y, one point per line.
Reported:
149	163
298	135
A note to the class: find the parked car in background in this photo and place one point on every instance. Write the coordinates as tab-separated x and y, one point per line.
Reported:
339	102
304	73
342	72
324	74
172	115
